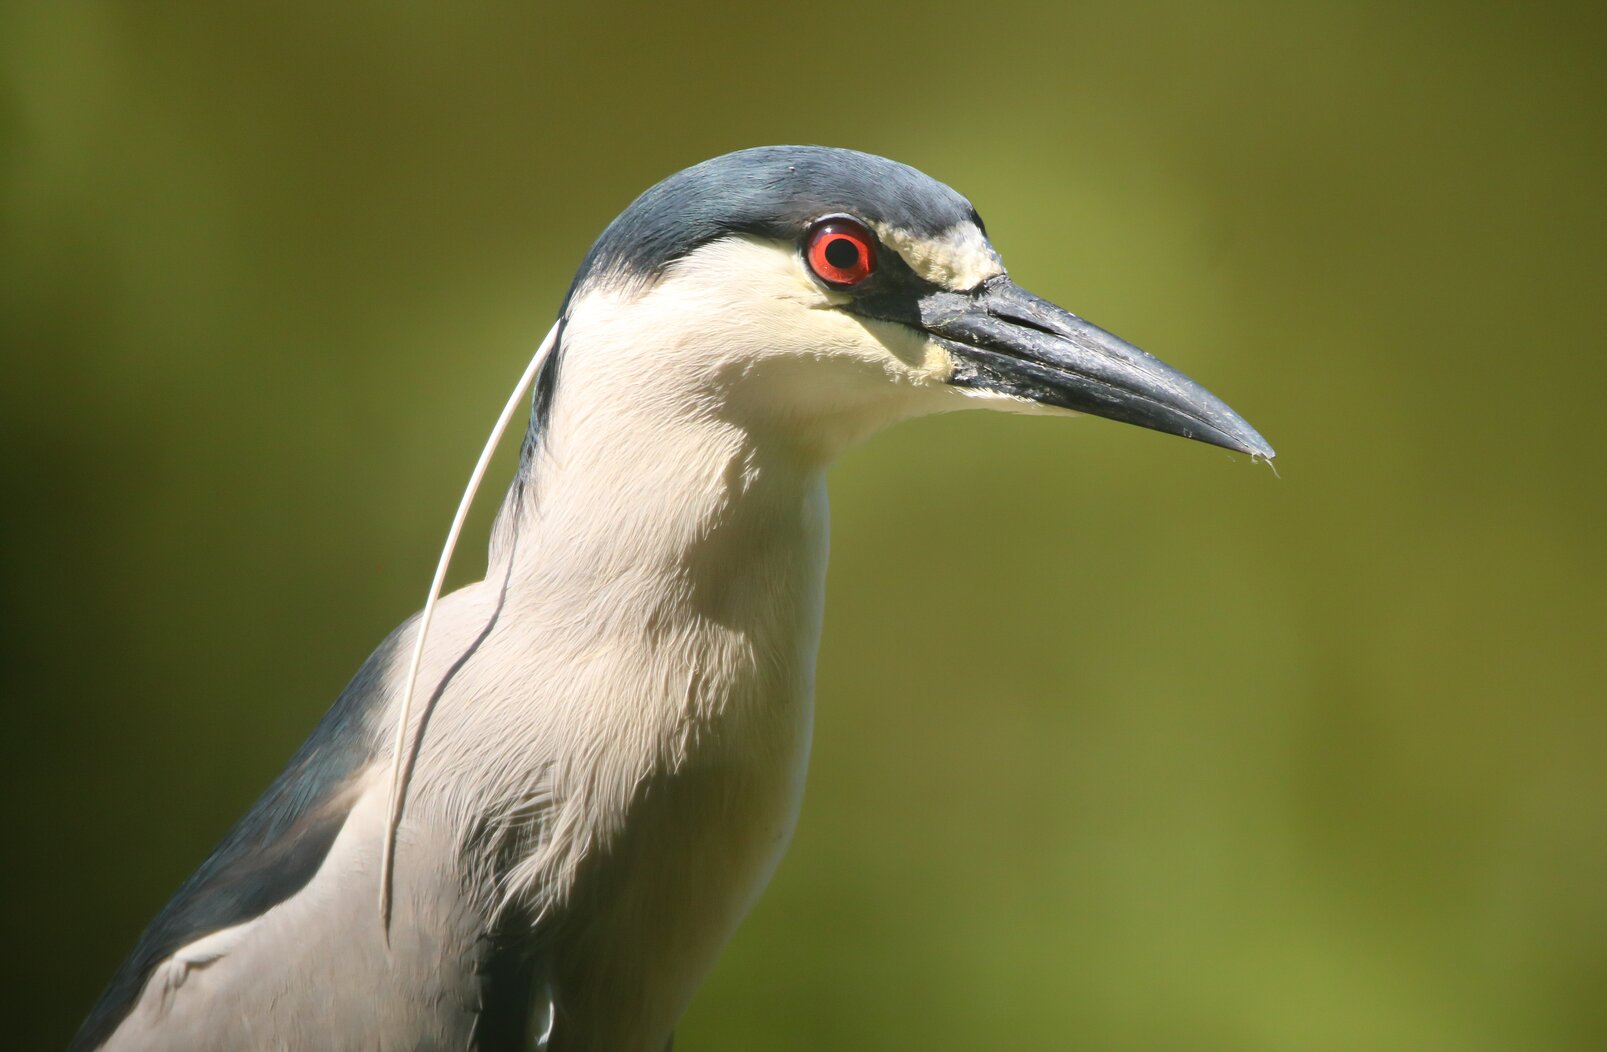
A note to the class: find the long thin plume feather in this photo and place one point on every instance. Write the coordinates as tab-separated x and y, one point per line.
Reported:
399	751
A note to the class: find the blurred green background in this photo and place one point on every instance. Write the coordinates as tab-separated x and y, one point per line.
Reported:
1208	760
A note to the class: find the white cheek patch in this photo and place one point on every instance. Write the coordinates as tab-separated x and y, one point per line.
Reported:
961	259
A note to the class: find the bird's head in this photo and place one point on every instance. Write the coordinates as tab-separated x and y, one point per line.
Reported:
824	293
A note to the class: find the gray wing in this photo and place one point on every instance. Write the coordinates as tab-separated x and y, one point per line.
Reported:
280	844
270	854
275	948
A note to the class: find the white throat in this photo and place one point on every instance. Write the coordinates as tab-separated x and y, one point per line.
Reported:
674	555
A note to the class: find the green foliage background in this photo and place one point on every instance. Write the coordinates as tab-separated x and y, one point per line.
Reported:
1123	743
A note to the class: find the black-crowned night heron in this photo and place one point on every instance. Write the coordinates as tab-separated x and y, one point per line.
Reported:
607	754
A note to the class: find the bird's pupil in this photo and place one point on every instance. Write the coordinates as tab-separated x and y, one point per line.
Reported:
841	253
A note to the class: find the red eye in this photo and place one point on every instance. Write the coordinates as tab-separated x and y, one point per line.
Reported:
840	252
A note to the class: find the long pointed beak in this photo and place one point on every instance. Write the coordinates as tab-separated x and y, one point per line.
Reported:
1006	340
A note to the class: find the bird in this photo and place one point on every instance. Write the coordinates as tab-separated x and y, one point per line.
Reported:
549	847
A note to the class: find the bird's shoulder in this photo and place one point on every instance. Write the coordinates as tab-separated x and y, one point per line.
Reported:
271	853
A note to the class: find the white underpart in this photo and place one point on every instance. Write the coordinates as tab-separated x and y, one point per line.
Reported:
708	275
961	259
641	718
622	741
702	413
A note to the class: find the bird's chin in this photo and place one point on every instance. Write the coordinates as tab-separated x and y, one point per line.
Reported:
1000	401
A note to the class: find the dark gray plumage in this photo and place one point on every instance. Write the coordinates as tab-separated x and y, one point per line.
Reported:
269	855
771	191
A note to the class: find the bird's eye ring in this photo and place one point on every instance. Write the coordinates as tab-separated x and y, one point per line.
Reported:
840	252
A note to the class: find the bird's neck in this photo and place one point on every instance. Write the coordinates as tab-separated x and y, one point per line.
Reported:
664	575
639	516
